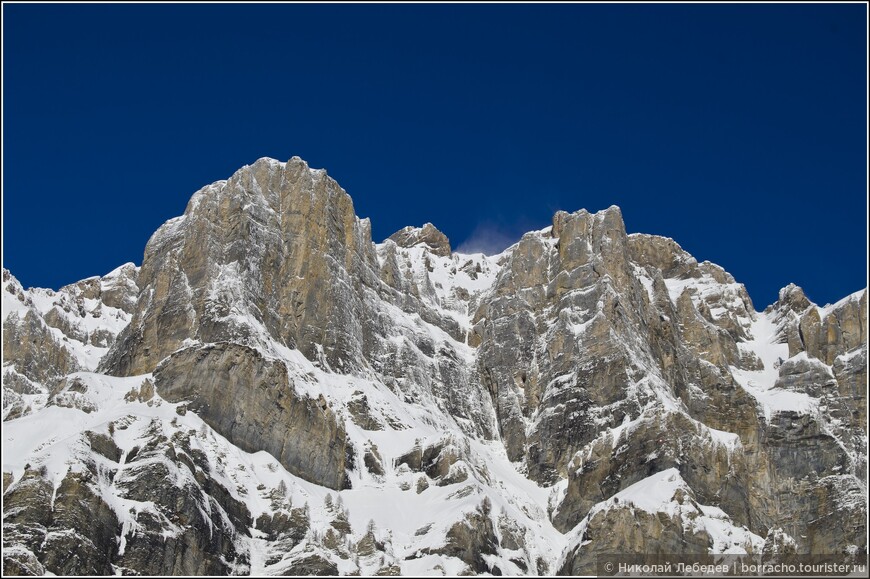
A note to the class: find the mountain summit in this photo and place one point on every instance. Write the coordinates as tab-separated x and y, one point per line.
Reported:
271	392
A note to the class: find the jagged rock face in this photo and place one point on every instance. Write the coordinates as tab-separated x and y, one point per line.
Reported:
627	531
654	332
275	256
471	539
120	288
446	462
435	241
42	520
847	406
250	400
653	520
72	530
47	334
29	341
575	333
842	330
704	459
823	333
278	395
827	359
195	528
274	252
552	289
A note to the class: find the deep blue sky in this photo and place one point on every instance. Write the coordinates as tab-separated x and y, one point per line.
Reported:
738	130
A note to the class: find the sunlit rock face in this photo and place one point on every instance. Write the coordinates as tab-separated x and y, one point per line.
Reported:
272	392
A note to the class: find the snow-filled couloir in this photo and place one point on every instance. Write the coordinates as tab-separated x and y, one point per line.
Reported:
271	392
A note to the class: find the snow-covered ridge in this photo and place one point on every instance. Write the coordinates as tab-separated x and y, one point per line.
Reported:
76	320
620	352
824	311
88	321
666	493
450	283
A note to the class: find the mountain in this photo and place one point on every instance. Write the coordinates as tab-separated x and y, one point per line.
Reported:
271	392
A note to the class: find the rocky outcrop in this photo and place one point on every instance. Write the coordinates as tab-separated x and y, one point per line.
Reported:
30	346
576	336
551	290
120	288
435	241
826	360
842	329
195	528
46	523
446	461
276	252
250	400
311	565
823	333
149	501
655	443
627	531
48	334
653	520
275	257
471	539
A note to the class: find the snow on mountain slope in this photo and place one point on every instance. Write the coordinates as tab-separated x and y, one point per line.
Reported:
76	314
661	501
426	412
410	519
666	492
48	334
762	383
454	281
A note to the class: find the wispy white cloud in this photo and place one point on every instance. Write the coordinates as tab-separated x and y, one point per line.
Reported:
489	239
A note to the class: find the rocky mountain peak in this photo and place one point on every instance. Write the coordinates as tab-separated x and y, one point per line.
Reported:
428	235
612	216
273	393
255	258
793	297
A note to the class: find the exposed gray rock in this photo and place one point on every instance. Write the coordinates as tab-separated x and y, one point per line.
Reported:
310	565
249	399
276	255
276	248
625	531
35	352
120	289
657	443
472	538
596	358
373	461
57	319
427	235
361	413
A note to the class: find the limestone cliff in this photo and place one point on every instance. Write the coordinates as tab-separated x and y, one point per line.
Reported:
272	392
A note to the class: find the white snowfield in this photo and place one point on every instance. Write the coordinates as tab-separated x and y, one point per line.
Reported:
52	435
